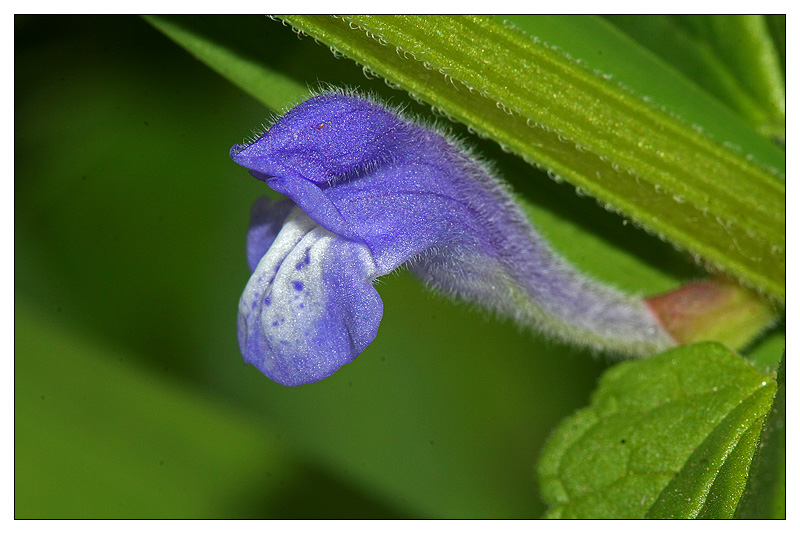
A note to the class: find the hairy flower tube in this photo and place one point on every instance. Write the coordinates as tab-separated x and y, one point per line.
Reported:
370	190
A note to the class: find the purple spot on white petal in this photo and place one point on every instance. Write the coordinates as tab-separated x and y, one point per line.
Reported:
298	286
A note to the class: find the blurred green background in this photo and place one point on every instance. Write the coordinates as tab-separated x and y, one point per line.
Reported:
131	398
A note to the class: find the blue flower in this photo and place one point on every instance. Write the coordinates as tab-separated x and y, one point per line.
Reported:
370	190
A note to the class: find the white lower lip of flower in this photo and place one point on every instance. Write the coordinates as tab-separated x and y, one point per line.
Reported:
285	294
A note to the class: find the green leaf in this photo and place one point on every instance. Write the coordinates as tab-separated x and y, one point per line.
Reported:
263	83
556	113
777	30
670	436
766	352
655	59
765	494
752	57
726	67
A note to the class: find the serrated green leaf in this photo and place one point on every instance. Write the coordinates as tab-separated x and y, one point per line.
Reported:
670	436
711	481
554	112
723	496
765	494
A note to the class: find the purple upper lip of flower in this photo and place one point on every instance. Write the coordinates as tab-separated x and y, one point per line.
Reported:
369	190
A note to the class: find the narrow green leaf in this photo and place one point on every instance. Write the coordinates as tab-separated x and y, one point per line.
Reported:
753	58
695	58
742	58
777	30
658	59
670	436
266	85
554	112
